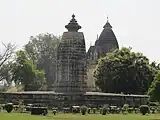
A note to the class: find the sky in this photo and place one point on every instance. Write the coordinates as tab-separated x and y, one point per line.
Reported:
136	23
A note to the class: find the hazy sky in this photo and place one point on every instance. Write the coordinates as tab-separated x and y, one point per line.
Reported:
136	23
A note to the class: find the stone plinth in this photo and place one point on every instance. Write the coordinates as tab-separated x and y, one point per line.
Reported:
69	99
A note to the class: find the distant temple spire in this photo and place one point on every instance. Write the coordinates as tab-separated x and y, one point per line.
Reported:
73	26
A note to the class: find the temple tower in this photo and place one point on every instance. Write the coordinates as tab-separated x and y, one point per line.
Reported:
71	60
105	43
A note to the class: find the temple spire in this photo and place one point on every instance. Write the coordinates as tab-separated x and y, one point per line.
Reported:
73	26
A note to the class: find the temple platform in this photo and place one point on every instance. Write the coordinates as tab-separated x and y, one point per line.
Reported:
52	99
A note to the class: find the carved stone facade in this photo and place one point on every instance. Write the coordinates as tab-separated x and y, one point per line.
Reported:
71	60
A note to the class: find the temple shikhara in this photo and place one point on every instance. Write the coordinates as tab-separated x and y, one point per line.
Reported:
104	44
71	60
74	84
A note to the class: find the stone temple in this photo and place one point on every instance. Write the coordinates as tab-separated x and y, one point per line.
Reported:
71	60
75	84
105	43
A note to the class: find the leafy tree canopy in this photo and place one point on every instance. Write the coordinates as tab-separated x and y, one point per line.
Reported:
42	48
26	72
154	90
124	71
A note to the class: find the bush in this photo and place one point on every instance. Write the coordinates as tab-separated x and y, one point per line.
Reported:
104	111
118	110
9	107
83	110
100	110
94	110
130	110
45	112
136	110
54	112
76	109
112	109
125	107
89	110
21	108
144	109
39	111
28	108
153	110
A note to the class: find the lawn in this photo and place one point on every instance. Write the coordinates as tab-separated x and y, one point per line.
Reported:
19	116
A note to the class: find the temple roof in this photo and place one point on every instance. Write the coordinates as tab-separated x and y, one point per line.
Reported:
107	35
73	26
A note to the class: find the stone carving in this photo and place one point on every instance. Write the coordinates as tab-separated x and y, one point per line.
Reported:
71	60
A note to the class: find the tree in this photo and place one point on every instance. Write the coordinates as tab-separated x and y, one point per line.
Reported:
6	72
6	56
124	71
154	90
42	49
7	53
26	72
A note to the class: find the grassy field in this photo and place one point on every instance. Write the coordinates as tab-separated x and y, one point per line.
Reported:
19	116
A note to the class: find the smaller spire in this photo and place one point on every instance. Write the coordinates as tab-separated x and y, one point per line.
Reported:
97	36
73	26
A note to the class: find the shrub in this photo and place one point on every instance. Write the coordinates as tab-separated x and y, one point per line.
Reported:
94	110
21	108
39	111
89	110
112	109
158	109
15	107
104	111
130	110
54	112
83	110
125	107
76	109
28	108
100	110
9	107
153	110
144	109
118	110
136	110
45	112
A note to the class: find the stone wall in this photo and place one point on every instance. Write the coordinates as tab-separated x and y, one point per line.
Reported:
61	99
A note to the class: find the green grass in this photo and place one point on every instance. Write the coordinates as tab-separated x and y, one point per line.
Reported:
19	116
